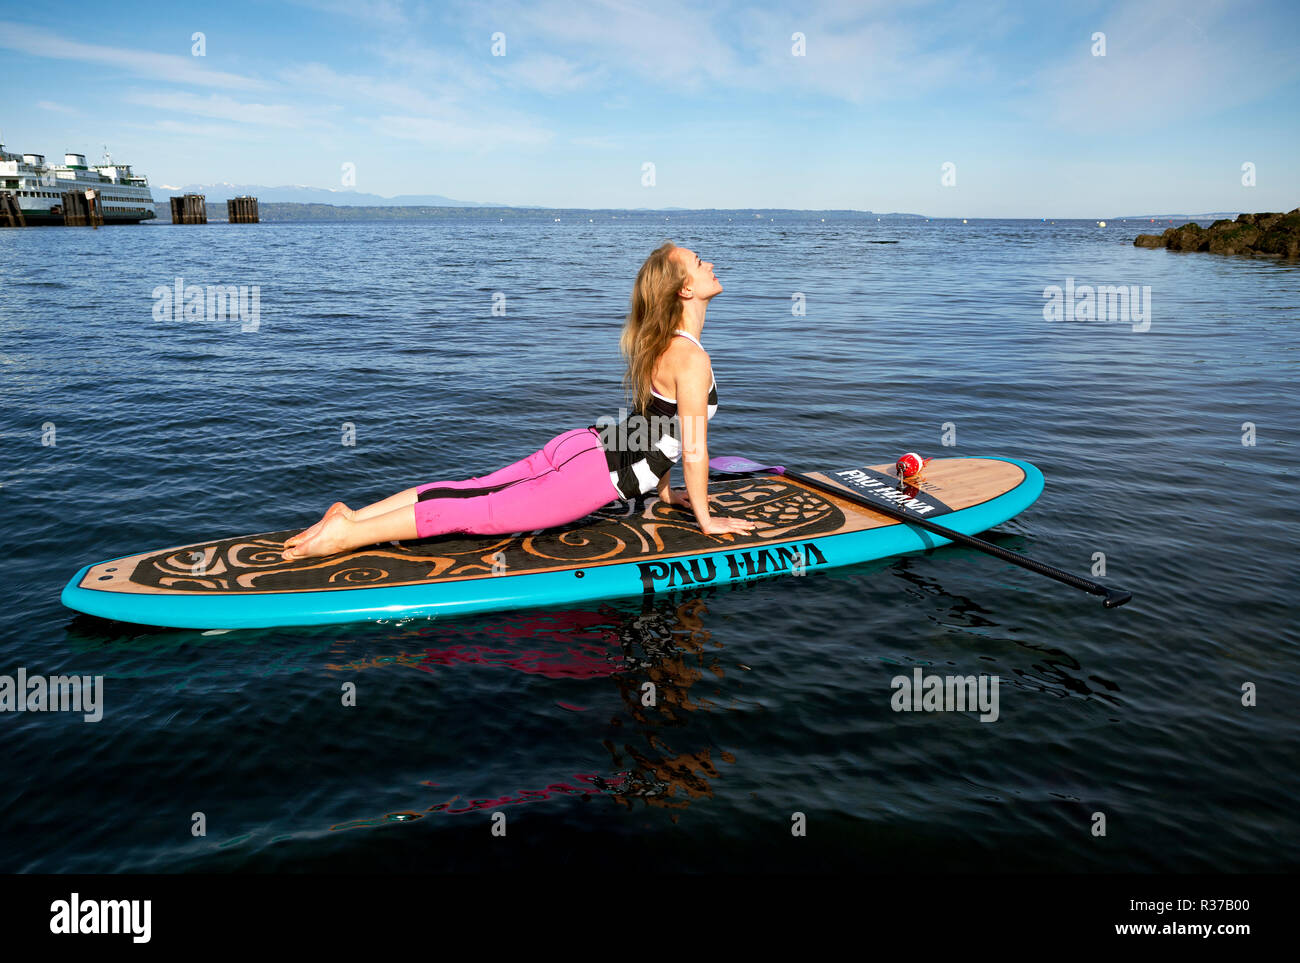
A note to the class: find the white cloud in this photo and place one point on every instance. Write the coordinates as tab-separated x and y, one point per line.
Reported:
855	50
214	133
667	41
857	58
461	132
181	69
319	79
435	117
548	73
225	108
599	142
1165	60
450	67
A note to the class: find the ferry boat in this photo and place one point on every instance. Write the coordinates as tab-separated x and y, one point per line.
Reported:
38	187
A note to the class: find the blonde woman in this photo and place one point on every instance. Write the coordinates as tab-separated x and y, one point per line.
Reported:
673	396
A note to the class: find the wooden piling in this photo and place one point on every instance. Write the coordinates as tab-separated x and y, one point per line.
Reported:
11	215
82	211
189	209
76	212
242	210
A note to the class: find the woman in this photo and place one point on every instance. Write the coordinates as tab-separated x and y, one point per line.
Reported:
581	470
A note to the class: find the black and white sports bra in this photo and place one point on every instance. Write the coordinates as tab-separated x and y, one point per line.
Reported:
637	459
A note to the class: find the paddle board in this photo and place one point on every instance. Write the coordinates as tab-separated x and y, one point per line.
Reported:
624	549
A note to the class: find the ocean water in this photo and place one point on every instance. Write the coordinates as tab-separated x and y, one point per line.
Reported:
1169	446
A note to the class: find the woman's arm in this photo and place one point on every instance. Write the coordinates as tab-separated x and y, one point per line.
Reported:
670	496
666	491
694	379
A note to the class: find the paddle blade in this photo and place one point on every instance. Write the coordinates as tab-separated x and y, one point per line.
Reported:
735	464
1114	599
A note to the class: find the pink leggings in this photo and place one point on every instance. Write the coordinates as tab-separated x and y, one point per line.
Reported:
567	479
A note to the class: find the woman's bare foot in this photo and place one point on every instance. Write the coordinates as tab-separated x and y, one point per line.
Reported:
338	508
332	538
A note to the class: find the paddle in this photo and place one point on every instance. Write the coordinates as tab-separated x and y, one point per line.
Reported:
734	465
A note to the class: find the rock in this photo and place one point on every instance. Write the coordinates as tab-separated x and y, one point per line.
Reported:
1275	242
1189	237
1238	239
1271	233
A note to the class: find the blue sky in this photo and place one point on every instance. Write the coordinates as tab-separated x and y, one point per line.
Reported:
711	94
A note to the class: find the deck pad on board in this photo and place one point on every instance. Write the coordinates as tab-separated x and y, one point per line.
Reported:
253	564
613	549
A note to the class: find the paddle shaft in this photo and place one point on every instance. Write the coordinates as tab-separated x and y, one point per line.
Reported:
1112	597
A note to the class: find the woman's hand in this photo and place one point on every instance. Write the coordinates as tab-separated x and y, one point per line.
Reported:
676	496
681	498
726	526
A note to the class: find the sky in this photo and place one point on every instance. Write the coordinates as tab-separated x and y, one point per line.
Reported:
564	103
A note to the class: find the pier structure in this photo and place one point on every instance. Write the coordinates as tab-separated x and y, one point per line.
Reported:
242	210
189	209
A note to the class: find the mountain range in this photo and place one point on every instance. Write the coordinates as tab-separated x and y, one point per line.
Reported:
299	194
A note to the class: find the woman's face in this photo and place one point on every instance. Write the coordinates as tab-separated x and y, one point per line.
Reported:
701	283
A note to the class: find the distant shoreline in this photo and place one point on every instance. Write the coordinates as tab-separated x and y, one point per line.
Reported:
290	211
298	211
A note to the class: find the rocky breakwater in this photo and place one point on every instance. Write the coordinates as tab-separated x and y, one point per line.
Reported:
1276	235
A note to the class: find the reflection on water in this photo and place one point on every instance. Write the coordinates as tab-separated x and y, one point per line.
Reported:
1054	669
652	658
587	785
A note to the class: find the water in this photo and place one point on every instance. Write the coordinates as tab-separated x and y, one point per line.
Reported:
773	697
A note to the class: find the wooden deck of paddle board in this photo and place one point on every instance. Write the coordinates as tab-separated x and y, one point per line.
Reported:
783	509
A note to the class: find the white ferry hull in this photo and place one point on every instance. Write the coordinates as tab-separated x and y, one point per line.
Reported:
46	219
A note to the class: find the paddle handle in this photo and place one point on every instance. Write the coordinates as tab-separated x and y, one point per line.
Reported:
1112	598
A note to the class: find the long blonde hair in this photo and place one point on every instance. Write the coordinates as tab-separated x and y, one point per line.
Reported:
655	313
